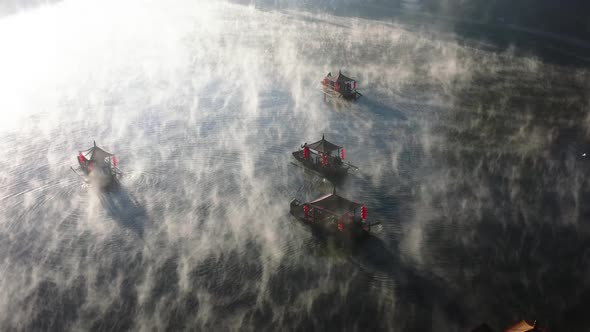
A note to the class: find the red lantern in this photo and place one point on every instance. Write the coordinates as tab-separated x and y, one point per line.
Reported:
305	152
81	158
341	226
305	211
114	159
324	159
363	212
342	153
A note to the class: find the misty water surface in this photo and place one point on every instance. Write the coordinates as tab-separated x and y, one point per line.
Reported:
471	157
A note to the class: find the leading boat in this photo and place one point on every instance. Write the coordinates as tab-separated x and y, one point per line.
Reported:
333	214
97	166
323	157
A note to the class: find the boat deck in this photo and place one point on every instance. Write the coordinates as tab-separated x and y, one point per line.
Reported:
335	94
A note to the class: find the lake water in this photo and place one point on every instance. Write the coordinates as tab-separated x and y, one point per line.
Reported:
474	158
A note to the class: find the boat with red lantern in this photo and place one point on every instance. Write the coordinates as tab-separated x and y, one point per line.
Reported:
97	166
333	214
340	86
323	157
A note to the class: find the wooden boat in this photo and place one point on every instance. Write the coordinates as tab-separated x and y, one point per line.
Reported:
97	166
340	86
318	157
333	214
524	326
521	326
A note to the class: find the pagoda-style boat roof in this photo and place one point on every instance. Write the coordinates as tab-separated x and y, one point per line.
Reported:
323	146
335	204
339	78
96	154
523	326
98	166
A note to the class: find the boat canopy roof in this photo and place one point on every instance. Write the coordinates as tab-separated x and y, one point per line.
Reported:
523	326
96	154
323	146
338	78
335	204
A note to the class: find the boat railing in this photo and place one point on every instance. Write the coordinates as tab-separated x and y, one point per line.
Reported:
316	158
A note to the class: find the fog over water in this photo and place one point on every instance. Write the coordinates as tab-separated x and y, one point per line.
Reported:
475	159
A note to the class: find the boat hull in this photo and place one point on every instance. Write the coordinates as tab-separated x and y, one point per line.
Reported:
100	179
348	95
327	226
330	172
